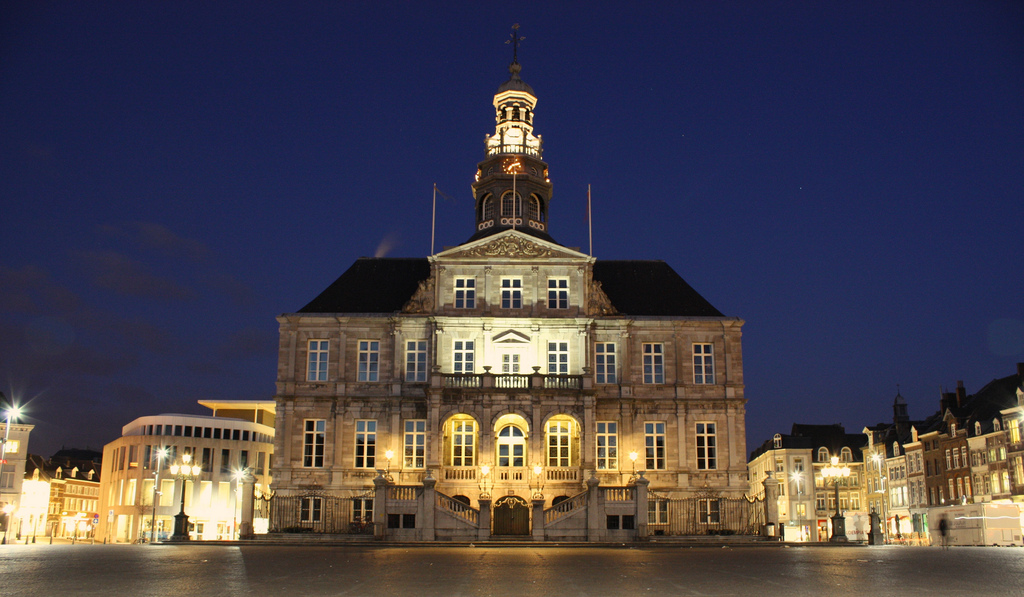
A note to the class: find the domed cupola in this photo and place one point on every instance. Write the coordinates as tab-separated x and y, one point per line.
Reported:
512	189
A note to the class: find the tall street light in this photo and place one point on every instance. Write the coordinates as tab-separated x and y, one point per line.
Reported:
836	472
160	455
184	471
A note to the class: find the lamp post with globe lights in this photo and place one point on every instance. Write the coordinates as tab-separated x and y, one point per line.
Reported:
836	472
185	471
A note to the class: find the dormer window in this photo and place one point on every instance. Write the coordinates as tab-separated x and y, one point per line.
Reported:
846	455
977	428
952	428
996	425
895	449
777	440
823	455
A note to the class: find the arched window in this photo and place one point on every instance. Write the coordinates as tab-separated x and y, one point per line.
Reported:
777	440
996	426
822	454
846	455
534	211
487	208
895	449
511	447
507	205
977	428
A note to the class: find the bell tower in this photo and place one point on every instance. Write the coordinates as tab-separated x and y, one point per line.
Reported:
512	189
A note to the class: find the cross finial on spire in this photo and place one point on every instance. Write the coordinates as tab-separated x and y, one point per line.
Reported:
515	39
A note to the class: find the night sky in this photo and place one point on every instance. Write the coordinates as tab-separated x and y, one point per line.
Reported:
847	177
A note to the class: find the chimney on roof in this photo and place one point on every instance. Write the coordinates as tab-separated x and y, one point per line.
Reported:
1020	370
961	394
947	400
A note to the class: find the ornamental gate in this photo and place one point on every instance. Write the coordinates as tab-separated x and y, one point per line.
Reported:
511	516
707	514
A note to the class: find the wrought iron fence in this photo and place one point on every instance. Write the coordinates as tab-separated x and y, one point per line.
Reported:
319	512
710	515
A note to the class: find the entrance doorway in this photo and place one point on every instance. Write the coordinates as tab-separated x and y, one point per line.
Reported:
511	516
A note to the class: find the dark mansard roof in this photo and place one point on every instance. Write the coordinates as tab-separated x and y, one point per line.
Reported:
635	288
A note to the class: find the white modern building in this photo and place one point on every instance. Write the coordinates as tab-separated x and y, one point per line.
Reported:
140	495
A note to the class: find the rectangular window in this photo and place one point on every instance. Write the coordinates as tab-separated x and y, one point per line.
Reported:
657	511
369	360
415	443
510	363
366	443
1014	431
559	439
654	363
463	443
558	293
465	293
654	445
511	293
558	358
707	447
311	509
607	445
313	443
604	362
317	359
416	360
462	357
956	458
710	511
703	364
225	461
362	510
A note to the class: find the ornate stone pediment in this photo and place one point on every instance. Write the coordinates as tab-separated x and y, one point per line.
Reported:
512	245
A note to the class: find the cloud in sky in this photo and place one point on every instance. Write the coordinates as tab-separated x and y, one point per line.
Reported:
119	273
160	238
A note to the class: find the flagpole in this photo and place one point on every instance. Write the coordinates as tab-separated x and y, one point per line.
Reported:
590	223
433	215
514	197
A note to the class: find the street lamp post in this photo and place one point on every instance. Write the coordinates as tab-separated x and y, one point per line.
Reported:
632	457
184	471
836	472
160	455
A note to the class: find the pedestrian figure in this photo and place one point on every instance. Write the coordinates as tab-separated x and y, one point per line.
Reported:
944	531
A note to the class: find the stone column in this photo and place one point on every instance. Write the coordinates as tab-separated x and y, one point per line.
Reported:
595	509
427	508
641	507
771	505
484	523
538	519
380	509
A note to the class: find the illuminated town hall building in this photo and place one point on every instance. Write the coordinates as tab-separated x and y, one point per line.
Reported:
505	378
